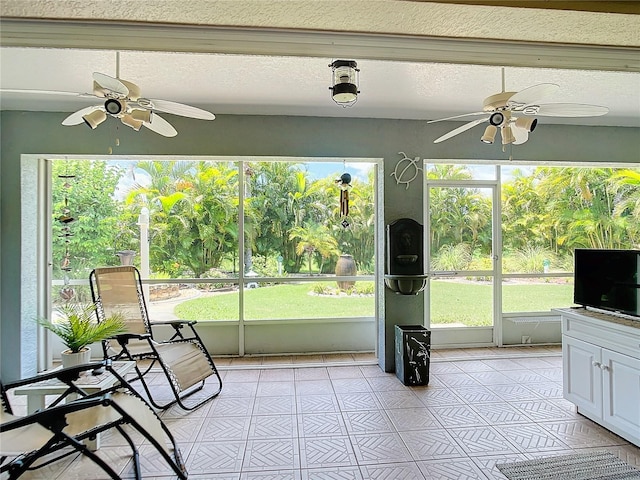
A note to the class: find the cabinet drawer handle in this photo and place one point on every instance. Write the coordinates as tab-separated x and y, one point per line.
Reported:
605	367
596	364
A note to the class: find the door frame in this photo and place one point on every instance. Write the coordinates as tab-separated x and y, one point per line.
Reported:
472	336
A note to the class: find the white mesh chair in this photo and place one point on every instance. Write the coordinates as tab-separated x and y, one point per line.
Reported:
34	441
183	358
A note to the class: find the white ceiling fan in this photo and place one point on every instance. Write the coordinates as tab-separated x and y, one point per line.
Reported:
122	100
513	113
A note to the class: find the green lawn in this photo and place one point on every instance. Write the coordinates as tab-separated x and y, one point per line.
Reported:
452	302
280	301
471	302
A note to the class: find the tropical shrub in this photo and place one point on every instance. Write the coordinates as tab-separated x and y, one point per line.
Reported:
532	259
452	257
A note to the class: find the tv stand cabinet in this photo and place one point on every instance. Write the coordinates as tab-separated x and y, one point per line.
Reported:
601	369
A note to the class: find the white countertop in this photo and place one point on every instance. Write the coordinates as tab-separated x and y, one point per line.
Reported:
612	317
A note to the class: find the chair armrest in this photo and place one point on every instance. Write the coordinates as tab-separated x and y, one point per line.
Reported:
175	323
130	336
70	373
177	326
123	338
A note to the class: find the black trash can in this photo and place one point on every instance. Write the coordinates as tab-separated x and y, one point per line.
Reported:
413	349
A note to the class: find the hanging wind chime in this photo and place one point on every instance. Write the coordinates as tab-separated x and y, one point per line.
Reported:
67	292
344	182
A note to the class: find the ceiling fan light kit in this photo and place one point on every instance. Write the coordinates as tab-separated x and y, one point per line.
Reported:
95	118
496	119
507	135
129	121
114	107
528	124
489	134
344	81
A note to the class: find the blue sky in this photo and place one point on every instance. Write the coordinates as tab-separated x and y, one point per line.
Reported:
319	170
325	169
316	170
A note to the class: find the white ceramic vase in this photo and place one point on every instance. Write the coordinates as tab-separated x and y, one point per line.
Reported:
70	359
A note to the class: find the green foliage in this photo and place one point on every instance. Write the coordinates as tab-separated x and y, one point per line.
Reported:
360	288
194	214
574	207
160	276
194	209
321	289
99	229
565	263
532	259
458	214
281	198
482	262
80	328
367	268
216	274
452	257
364	288
314	240
264	266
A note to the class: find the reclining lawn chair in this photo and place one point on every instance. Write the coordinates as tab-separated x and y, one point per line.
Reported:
57	431
183	358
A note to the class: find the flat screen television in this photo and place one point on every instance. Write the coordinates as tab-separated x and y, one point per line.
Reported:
608	279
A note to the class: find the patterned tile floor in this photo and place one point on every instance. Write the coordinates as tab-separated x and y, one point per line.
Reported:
341	417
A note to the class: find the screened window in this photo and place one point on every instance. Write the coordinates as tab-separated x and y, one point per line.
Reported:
207	256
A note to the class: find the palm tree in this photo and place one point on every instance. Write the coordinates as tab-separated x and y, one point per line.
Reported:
280	199
585	200
193	207
626	184
314	239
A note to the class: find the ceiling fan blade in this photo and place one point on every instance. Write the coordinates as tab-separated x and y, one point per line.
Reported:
571	110
181	109
160	126
76	117
459	130
532	94
456	116
521	135
110	83
46	92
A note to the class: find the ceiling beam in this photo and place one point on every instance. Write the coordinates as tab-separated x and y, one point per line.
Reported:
626	7
280	42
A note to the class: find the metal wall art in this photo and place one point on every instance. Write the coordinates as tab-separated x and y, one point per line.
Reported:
406	170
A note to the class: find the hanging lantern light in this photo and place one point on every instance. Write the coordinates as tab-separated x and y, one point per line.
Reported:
345	78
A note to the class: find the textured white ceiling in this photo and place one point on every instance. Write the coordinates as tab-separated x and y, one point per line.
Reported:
267	85
403	17
276	85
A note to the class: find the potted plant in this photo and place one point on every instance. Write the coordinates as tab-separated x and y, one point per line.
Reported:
79	329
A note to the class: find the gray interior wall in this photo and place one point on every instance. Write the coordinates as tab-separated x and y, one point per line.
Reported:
38	132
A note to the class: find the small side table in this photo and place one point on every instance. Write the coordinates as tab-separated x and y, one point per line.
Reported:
37	392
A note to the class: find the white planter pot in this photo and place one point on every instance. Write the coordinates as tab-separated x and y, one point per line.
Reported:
70	359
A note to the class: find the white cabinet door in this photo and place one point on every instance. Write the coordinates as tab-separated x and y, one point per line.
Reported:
582	376
621	393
